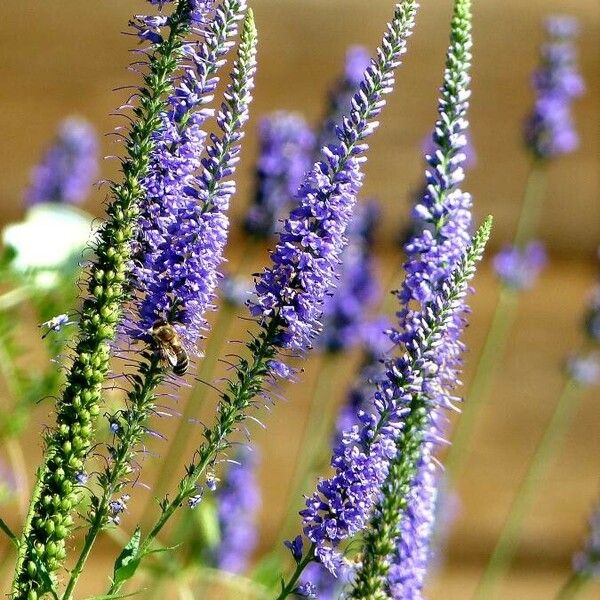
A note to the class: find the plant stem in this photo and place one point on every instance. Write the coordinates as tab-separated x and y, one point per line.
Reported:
502	321
533	200
193	406
546	450
289	587
15	297
573	587
481	385
242	390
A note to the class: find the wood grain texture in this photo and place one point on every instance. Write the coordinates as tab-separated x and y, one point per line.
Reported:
65	57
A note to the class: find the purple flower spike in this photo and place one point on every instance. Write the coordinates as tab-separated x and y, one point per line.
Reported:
357	291
587	562
184	223
340	96
519	269
306	258
66	171
592	319
549	129
238	500
286	144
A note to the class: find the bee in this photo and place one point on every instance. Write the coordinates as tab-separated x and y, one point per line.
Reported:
169	345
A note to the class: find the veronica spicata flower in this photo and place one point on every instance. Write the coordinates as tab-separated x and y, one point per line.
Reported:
312	239
519	268
341	94
238	499
286	145
357	289
406	510
549	129
43	546
68	167
184	221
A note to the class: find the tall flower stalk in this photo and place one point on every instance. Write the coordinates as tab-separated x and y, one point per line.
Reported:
342	504
57	492
290	294
548	134
396	544
200	204
582	370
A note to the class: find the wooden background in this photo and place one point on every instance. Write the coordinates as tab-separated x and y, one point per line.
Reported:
62	58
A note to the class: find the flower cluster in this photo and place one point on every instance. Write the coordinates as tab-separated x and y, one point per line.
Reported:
286	145
519	268
341	94
346	310
68	167
587	562
238	499
432	255
342	504
549	129
184	223
306	257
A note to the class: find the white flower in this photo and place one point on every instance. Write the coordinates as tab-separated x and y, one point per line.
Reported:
49	237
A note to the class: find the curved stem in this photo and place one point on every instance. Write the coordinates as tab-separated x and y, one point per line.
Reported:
15	297
509	536
289	587
573	587
533	200
481	385
502	321
205	373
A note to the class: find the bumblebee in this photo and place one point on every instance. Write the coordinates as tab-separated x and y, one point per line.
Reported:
169	346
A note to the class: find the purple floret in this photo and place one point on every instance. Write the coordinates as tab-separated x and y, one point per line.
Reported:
549	129
68	167
286	145
520	268
238	499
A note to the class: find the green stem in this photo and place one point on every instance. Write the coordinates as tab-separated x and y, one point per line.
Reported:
15	297
206	370
242	390
509	536
490	361
573	587
289	587
141	402
533	200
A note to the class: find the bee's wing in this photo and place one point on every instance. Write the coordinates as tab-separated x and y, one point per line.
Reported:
169	355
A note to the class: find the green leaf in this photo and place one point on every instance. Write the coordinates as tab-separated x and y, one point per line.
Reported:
9	533
113	596
268	571
128	561
208	520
